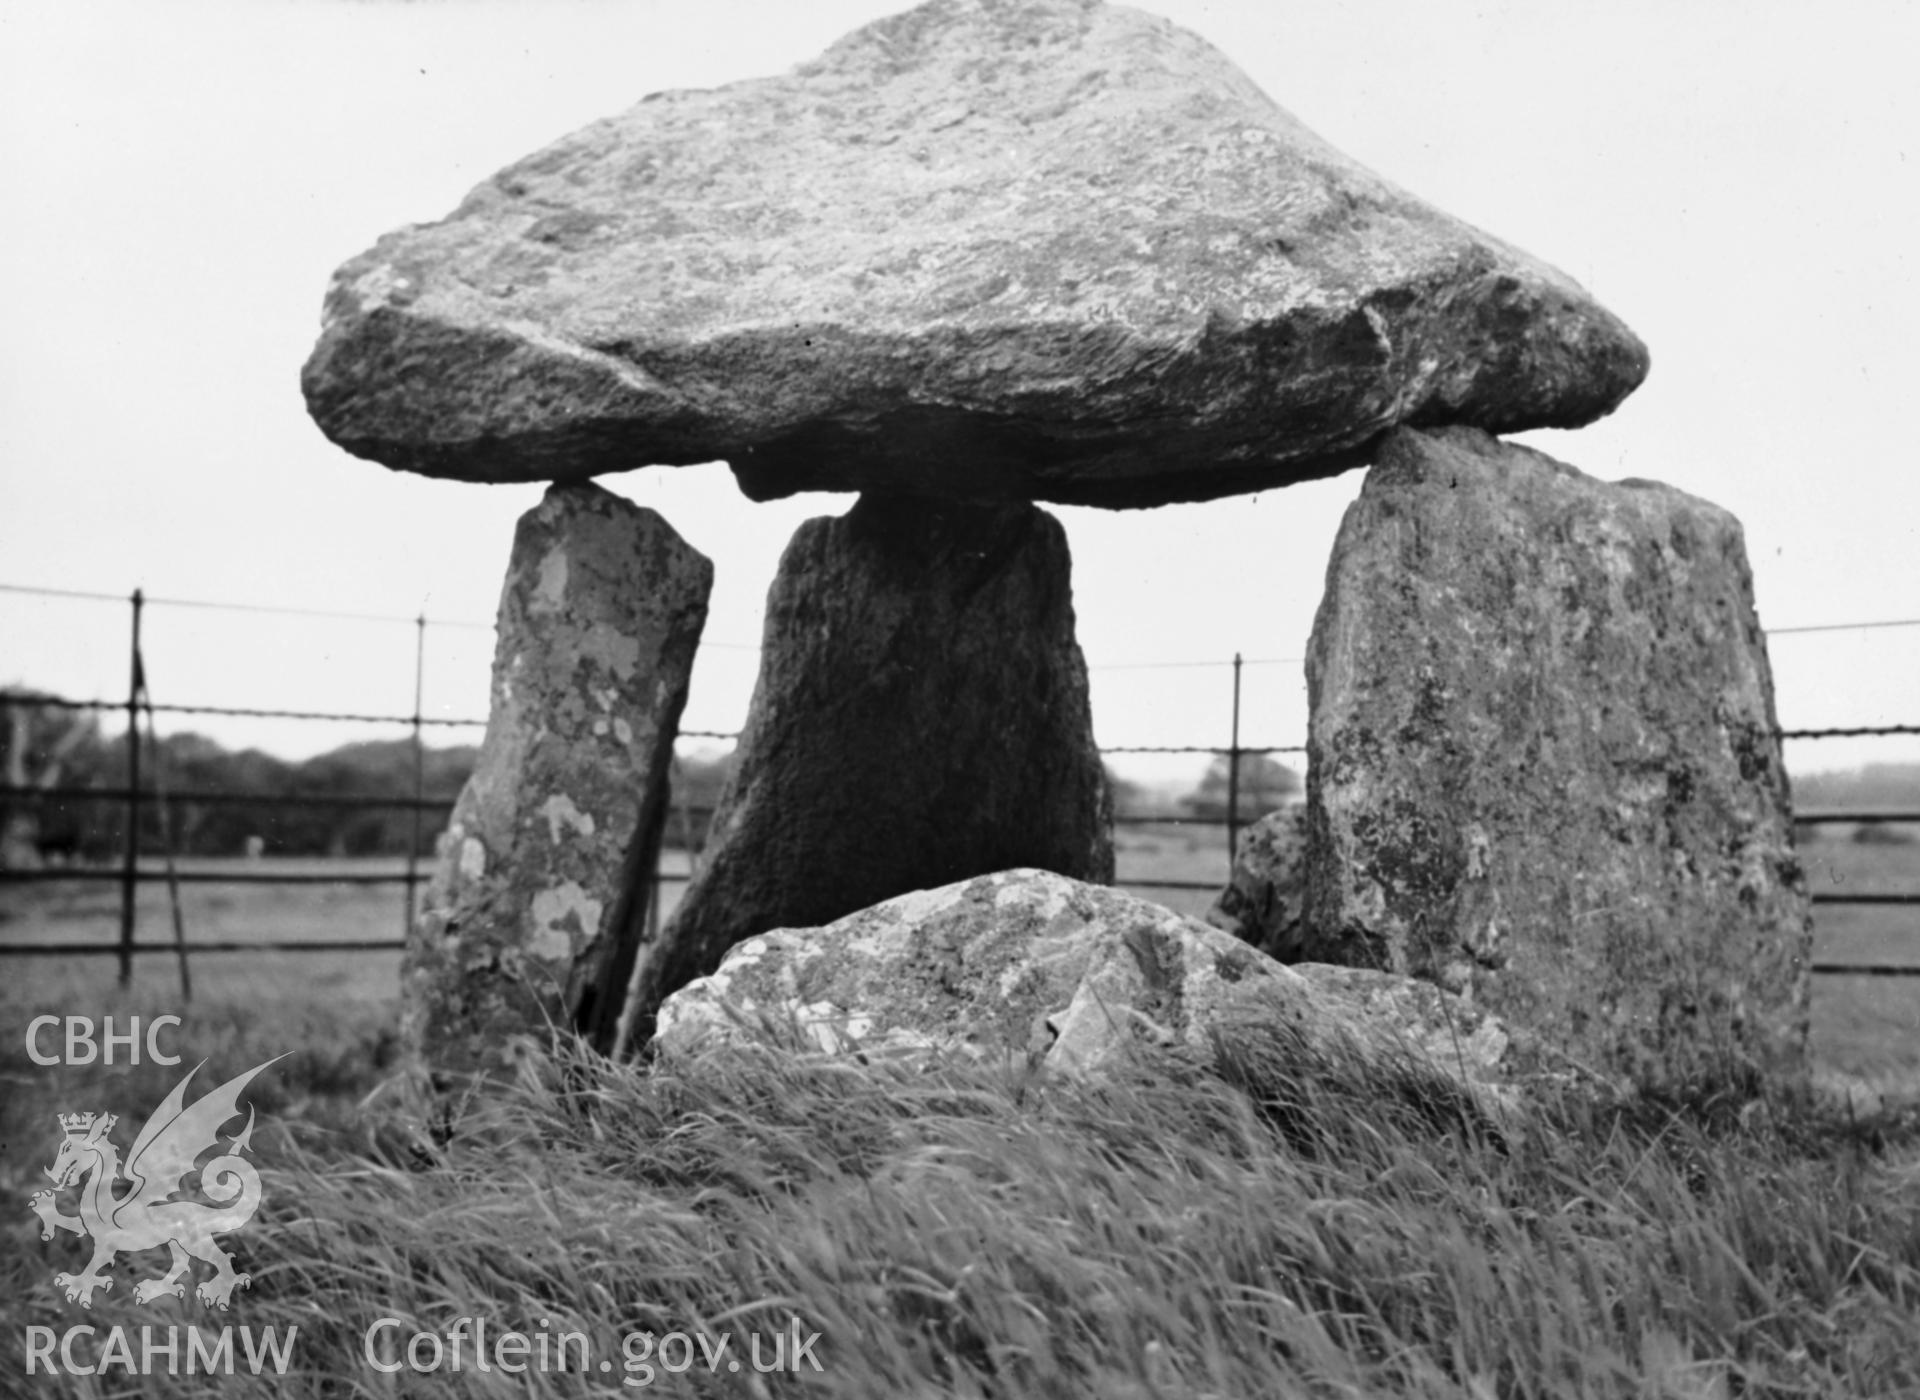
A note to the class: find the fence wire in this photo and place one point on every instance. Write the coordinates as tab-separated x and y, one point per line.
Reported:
135	795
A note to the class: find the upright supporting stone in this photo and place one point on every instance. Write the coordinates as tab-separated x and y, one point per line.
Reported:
1266	894
921	716
536	909
1543	765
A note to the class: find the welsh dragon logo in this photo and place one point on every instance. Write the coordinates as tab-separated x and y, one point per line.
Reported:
145	1216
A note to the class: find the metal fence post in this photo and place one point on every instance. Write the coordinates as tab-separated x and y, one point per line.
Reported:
419	767
1233	776
130	855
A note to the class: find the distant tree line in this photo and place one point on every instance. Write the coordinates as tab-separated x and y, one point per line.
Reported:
1884	787
48	746
1263	783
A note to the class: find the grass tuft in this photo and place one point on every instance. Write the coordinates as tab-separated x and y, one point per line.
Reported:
1289	1226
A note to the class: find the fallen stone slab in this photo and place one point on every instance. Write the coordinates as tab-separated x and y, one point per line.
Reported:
1264	902
1049	251
530	920
1543	765
921	716
1069	978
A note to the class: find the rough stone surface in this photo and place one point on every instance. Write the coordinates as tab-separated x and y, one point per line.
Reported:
1266	895
1070	976
921	716
1045	250
1543	765
525	921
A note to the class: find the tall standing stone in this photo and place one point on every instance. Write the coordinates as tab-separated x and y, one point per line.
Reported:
920	717
534	912
1544	765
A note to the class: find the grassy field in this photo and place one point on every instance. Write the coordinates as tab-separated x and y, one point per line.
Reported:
1866	1029
970	1231
1287	1230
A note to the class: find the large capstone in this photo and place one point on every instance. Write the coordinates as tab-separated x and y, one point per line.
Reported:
920	716
531	919
1544	767
1049	250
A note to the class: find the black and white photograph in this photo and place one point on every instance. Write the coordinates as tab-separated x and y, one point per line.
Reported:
986	698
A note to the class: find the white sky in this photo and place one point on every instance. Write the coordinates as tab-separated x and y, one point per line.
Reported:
1737	180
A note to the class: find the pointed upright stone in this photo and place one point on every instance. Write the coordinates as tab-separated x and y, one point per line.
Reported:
1051	250
1544	767
921	716
530	918
1266	894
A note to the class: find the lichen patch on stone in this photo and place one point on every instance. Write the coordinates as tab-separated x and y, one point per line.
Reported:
552	911
550	590
379	286
613	650
563	816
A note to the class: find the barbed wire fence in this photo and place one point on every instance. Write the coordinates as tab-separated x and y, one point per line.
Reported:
137	796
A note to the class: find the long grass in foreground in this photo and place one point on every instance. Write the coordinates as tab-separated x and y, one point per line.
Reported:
955	1230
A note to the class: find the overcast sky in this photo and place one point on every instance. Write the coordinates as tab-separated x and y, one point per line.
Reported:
1736	180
